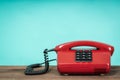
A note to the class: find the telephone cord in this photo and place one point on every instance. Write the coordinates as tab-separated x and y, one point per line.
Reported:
30	69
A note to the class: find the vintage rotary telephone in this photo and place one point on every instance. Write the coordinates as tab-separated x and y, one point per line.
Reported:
81	61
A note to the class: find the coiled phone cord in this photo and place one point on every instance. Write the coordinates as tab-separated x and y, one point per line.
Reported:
30	69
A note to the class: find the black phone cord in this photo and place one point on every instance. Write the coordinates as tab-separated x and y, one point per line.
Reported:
30	69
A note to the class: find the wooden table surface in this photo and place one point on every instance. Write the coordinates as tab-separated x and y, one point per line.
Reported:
17	73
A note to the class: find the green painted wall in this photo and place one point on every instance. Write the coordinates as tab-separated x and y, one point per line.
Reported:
27	27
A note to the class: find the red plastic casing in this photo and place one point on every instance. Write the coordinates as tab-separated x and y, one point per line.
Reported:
101	62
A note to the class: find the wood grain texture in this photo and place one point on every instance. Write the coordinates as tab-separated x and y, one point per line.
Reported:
17	73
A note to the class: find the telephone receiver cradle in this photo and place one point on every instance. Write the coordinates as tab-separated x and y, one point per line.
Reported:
80	61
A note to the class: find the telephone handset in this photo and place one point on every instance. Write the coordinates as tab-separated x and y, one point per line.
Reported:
82	61
98	45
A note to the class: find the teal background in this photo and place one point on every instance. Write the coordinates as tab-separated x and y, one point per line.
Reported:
27	27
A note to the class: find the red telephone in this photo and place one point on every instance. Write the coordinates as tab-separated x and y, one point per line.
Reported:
82	61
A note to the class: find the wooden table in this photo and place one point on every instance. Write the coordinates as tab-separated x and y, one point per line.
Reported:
17	73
